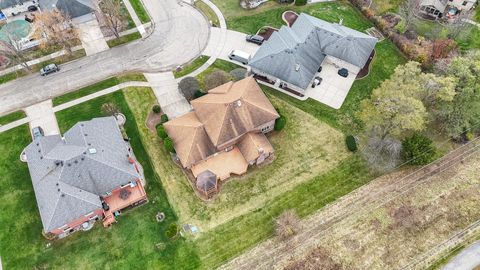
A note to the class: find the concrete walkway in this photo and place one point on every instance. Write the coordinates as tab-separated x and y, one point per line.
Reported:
135	18
42	115
468	259
165	87
92	37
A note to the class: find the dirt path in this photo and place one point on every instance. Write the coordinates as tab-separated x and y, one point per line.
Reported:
345	227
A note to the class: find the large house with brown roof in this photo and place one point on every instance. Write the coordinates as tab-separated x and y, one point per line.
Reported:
225	132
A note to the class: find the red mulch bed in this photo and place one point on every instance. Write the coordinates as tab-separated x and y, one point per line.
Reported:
366	69
266	32
290	17
153	120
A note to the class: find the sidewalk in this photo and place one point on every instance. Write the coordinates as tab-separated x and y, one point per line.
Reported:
135	18
165	87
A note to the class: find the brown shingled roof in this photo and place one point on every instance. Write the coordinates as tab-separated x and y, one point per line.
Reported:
253	144
233	109
190	139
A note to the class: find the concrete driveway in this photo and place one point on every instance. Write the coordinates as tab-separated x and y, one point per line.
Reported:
181	33
92	38
333	89
233	41
42	115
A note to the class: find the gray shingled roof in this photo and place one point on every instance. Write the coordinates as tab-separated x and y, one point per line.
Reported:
295	54
10	3
73	8
68	178
438	4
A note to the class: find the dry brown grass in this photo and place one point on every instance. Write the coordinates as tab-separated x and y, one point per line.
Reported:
389	229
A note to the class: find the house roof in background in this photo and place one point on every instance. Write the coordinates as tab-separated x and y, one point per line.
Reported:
10	3
70	174
73	8
294	54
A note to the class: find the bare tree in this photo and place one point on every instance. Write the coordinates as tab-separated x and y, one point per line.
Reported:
114	15
57	29
407	11
11	47
382	154
287	225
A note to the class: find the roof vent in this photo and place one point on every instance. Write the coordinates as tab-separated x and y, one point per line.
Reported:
92	150
297	67
239	103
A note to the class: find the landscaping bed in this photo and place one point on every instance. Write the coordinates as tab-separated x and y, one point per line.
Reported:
289	17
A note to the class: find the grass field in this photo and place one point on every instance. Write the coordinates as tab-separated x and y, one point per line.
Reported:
208	12
12	117
332	12
35	68
232	8
192	66
131	242
385	6
97	87
124	39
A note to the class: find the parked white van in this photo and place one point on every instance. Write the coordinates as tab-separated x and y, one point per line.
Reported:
239	56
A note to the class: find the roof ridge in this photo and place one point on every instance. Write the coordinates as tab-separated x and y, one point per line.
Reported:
221	127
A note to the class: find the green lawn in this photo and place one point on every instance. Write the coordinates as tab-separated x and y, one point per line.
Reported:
332	12
97	87
12	117
140	10
208	12
192	66
468	39
35	68
219	64
124	39
385	6
238	235
232	8
131	243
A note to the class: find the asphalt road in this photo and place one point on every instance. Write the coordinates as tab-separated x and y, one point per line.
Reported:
467	259
181	33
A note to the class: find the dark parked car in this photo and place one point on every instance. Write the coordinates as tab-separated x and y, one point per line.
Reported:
32	8
37	132
343	72
255	39
49	69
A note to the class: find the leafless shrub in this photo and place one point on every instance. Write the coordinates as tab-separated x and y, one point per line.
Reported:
287	225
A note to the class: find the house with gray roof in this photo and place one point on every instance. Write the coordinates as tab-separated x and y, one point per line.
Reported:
75	177
293	56
73	8
444	8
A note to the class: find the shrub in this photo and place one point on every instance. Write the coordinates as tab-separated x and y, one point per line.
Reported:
163	118
156	109
216	79
300	2
188	86
171	231
168	143
351	143
199	93
287	225
238	74
280	123
469	136
161	132
418	150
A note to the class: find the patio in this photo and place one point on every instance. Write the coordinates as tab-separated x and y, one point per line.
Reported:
223	164
122	198
334	88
